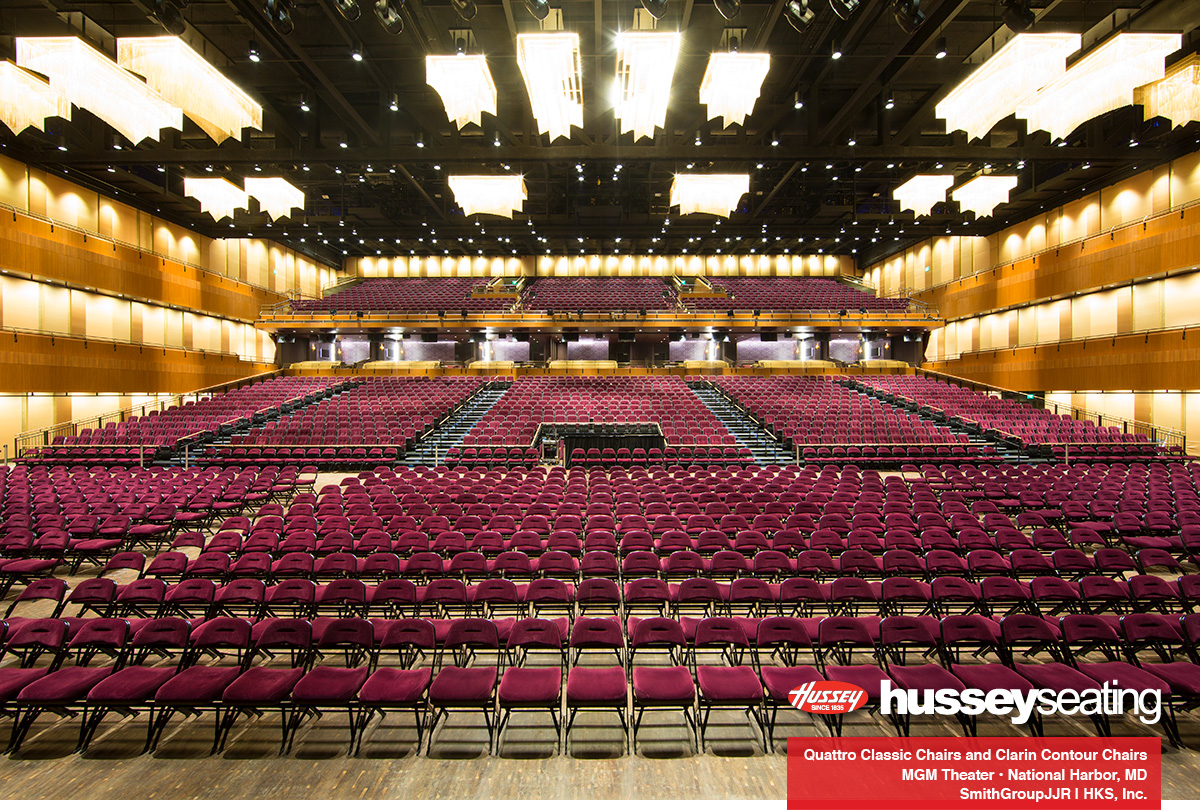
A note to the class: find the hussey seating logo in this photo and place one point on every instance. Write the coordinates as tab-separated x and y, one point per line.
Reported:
827	697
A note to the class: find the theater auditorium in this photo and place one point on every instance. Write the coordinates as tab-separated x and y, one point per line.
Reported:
475	399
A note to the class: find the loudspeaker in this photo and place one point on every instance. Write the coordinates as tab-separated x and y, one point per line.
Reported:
429	337
768	337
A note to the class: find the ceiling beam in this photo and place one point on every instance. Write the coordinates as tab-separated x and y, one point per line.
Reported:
892	65
628	153
766	200
404	172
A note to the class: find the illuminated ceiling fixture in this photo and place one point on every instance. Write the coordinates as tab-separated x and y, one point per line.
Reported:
708	193
553	78
923	192
217	195
275	195
89	79
501	195
465	85
983	193
183	77
1176	96
732	83
27	101
1010	77
1100	82
645	67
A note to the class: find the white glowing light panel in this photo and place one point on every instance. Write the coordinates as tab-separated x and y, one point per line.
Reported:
1100	82
708	193
89	79
645	68
550	65
1009	78
923	192
732	83
275	195
27	101
216	195
1175	96
489	194
185	79
465	85
983	193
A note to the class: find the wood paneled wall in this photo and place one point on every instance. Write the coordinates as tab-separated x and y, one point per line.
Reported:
38	363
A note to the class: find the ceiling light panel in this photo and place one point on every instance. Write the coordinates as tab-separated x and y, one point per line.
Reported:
1100	82
465	84
708	193
732	83
645	68
275	195
183	77
27	101
922	192
89	79
553	78
982	194
216	195
1009	78
501	195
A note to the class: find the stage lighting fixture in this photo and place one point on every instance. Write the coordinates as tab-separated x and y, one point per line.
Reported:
799	14
655	8
908	14
939	50
279	14
388	12
844	8
348	9
168	16
1017	15
728	8
538	9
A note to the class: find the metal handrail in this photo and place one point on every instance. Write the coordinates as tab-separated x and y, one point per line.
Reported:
32	439
1155	330
50	333
1162	436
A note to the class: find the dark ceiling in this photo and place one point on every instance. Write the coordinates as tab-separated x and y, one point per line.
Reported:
385	192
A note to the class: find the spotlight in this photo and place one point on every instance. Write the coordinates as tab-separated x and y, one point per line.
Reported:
843	313
168	16
388	12
728	8
908	14
836	50
890	103
304	104
799	14
394	104
356	54
420	140
538	9
939	51
348	9
655	8
252	52
496	138
797	102
1017	15
279	13
774	141
844	8
466	8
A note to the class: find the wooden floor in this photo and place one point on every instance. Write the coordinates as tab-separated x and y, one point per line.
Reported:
459	767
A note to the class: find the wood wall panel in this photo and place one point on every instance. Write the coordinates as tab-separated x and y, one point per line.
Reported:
1170	243
1160	361
30	246
37	363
